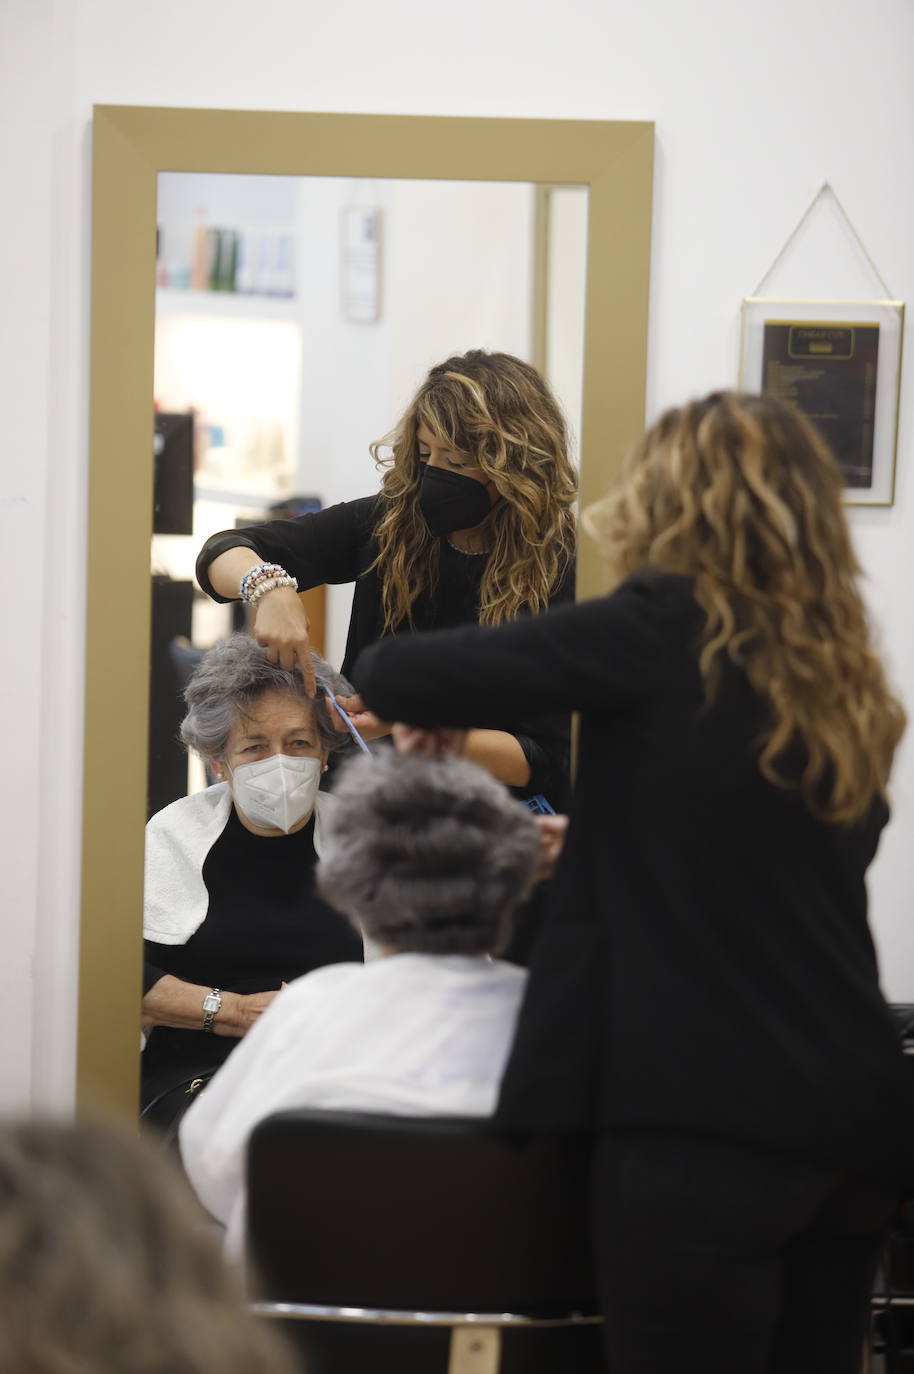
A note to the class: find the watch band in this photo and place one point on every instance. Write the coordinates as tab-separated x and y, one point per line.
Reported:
211	1005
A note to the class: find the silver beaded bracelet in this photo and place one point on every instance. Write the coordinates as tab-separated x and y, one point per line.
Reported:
268	585
264	578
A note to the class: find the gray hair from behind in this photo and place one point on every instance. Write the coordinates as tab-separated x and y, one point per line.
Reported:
229	679
429	856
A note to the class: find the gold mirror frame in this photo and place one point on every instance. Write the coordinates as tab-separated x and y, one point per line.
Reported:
131	145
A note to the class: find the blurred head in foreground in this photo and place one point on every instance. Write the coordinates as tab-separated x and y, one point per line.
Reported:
108	1265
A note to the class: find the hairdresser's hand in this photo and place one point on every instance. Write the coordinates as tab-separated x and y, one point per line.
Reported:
429	744
366	722
281	626
553	830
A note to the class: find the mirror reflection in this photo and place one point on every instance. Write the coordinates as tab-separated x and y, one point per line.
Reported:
297	321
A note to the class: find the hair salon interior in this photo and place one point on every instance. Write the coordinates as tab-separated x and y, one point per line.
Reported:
764	152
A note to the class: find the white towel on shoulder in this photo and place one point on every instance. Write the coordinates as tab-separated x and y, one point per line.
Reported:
178	839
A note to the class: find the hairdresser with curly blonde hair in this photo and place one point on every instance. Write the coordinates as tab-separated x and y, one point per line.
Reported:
473	522
705	996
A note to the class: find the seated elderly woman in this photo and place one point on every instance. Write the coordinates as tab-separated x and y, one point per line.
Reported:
231	912
429	857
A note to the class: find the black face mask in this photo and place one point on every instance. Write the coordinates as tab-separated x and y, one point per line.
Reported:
450	501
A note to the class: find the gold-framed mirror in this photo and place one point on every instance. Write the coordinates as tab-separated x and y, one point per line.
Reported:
131	146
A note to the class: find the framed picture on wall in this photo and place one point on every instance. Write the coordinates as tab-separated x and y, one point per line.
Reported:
840	363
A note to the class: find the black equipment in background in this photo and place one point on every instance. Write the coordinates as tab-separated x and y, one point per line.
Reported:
171	611
173	483
291	506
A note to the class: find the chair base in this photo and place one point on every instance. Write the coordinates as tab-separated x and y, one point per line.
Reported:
340	1347
474	1350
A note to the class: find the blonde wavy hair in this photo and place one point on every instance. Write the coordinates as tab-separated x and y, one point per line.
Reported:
108	1262
497	411
741	494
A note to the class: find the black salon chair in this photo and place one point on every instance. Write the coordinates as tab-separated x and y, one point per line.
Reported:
893	1295
422	1245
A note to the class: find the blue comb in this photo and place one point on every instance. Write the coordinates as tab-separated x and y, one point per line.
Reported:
348	723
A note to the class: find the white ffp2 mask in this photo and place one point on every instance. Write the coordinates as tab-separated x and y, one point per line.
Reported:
277	792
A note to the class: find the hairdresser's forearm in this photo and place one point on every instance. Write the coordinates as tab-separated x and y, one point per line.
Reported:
226	571
500	754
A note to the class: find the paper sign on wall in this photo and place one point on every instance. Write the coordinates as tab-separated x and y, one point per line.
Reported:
361	264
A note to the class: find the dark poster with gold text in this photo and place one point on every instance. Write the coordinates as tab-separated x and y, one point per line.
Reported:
829	371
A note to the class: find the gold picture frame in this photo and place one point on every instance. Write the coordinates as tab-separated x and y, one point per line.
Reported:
840	362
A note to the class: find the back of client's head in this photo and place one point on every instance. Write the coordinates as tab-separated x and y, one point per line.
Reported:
429	856
107	1264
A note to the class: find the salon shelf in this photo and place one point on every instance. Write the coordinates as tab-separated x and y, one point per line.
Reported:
236	496
225	304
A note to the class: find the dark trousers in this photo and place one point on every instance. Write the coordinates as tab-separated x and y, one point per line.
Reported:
715	1259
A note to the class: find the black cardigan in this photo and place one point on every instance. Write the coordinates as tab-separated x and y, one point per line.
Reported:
338	545
707	964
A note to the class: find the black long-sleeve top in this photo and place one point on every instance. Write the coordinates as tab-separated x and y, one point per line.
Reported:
264	926
707	964
338	545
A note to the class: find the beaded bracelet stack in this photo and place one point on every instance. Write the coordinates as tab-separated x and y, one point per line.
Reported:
262	579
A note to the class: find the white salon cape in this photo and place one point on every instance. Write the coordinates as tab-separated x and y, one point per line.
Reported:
410	1035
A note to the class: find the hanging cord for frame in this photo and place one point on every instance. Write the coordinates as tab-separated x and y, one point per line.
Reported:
345	719
826	189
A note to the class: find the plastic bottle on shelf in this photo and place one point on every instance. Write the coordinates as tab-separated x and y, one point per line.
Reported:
283	284
161	265
245	261
263	264
199	272
225	260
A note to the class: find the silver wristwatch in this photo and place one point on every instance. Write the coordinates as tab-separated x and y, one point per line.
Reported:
211	1004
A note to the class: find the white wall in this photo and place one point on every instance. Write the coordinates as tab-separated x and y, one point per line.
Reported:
755	104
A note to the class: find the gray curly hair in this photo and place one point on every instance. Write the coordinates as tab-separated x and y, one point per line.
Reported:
230	678
427	855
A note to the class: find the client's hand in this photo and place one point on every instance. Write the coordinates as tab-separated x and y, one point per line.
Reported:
552	841
430	744
366	722
239	1011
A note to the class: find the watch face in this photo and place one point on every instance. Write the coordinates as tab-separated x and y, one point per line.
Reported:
212	1002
